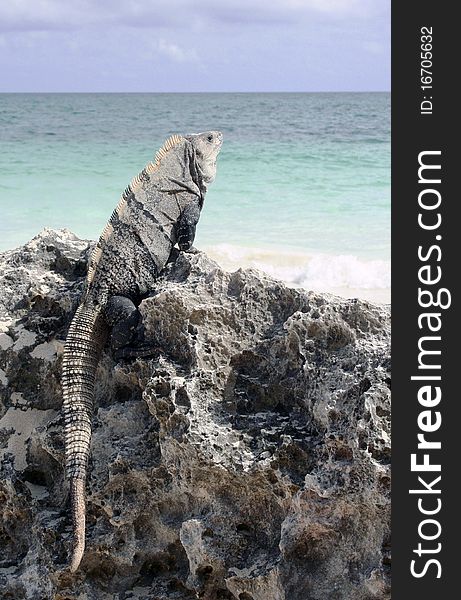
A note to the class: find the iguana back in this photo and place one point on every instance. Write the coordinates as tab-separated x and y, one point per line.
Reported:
160	208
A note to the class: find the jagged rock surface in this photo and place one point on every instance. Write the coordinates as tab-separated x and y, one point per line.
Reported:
247	458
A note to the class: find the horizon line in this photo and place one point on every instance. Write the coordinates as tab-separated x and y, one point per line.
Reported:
211	92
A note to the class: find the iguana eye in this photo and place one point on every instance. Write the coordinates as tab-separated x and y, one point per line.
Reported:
210	138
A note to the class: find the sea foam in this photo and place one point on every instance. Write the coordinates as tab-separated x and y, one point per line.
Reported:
343	274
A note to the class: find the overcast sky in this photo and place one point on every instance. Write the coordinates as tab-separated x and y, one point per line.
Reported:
194	45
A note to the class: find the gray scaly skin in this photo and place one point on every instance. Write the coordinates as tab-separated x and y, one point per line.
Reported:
160	208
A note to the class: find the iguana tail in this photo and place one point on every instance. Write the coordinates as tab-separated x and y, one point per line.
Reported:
81	356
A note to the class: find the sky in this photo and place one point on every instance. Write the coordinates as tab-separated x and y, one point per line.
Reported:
194	45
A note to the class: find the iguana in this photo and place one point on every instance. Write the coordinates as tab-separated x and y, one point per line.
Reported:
160	208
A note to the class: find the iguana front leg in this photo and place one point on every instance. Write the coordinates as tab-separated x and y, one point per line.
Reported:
185	234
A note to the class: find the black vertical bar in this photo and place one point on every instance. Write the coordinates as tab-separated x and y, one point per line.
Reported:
414	131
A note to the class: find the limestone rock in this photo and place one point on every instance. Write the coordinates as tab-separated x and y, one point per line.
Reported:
248	457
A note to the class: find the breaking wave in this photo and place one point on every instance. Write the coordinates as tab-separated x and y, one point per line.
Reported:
343	274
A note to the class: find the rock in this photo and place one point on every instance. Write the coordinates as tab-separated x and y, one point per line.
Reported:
247	458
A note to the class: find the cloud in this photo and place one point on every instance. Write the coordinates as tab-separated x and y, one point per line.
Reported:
21	15
283	11
194	45
176	53
25	15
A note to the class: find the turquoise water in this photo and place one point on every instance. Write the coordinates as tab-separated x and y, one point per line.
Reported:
303	185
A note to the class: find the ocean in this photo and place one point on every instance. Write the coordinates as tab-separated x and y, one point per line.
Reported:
302	191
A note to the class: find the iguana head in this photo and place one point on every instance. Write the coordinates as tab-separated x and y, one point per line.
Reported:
206	146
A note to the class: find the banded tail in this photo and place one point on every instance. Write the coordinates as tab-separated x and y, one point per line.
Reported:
81	356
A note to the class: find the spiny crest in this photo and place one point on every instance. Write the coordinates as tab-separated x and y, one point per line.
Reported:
171	142
134	186
96	254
